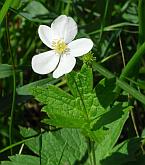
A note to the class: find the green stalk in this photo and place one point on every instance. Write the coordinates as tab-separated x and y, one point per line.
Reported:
19	142
4	9
93	152
141	16
90	151
14	86
15	144
132	91
131	65
103	71
40	147
120	83
103	20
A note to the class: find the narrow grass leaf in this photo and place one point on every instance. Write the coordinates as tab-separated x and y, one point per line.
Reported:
4	9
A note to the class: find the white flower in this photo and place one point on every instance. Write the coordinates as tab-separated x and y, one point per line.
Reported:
58	37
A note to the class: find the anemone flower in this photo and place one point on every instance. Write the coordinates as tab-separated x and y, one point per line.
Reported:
59	37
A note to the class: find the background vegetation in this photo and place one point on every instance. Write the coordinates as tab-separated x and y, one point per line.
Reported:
117	29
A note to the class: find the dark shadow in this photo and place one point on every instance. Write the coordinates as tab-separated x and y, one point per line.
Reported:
112	115
83	159
105	93
133	155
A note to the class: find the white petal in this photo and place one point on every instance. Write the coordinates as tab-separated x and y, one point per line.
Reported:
66	65
65	27
46	35
45	63
80	47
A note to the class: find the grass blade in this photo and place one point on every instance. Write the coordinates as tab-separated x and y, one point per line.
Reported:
4	9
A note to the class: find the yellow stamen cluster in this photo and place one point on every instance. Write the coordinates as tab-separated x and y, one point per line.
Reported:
60	46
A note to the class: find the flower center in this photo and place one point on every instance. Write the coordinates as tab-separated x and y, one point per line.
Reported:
60	46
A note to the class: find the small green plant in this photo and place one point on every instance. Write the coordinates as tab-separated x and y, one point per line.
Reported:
59	110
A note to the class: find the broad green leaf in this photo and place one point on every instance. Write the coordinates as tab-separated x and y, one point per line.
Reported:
61	107
25	90
65	146
112	115
35	11
81	110
77	111
80	83
114	130
5	70
22	160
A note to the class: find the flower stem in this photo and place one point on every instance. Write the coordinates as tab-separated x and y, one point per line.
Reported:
141	16
14	87
91	152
